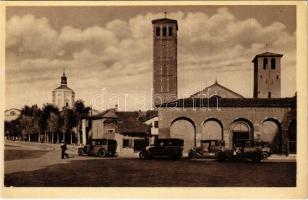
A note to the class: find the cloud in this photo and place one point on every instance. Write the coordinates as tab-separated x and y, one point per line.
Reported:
217	46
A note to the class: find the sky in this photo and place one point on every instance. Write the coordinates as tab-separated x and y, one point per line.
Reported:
107	52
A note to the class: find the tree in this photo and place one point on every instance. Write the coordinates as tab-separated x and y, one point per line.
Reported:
68	121
12	128
50	122
81	112
30	121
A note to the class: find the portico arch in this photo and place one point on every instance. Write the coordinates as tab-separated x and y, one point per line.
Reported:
271	133
212	129
184	128
241	129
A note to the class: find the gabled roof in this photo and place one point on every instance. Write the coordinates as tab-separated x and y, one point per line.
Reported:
165	20
267	54
110	113
216	84
289	102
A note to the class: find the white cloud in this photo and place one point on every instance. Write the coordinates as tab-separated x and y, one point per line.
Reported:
119	54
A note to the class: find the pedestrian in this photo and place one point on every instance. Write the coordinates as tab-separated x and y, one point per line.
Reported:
63	149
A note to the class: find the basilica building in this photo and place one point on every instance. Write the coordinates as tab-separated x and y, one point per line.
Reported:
216	112
63	96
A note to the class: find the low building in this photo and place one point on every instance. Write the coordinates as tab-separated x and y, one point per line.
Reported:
11	114
126	128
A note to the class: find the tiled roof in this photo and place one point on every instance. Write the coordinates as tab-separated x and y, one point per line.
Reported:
128	122
231	102
148	115
267	54
221	86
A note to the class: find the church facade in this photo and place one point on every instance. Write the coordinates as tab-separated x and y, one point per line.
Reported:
220	113
63	96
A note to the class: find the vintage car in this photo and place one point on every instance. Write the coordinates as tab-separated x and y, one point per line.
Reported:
171	148
99	147
243	150
207	149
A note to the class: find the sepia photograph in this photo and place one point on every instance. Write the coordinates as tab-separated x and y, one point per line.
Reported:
151	96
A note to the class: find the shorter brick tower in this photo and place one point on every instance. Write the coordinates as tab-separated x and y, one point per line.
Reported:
267	75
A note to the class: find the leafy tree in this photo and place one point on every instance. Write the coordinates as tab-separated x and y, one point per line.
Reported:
30	121
68	121
50	121
81	111
12	128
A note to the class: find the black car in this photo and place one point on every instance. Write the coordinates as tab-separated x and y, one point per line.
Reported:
99	147
171	148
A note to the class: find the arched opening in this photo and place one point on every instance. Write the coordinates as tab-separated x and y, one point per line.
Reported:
292	136
212	129
271	133
184	128
242	129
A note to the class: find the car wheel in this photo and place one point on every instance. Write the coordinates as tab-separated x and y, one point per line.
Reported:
191	155
221	157
265	155
143	155
257	157
101	153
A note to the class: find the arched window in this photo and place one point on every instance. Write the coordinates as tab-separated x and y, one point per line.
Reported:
157	31
170	31
164	31
265	62
269	94
273	63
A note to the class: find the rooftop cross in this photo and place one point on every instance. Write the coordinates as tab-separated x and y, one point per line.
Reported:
165	14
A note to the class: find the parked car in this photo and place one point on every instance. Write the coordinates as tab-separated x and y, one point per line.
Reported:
99	147
207	149
243	150
171	148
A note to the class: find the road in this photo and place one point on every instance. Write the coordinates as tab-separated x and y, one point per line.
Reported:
43	167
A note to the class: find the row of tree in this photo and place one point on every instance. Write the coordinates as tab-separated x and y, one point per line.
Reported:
48	124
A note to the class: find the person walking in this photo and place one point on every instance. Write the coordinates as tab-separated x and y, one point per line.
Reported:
63	149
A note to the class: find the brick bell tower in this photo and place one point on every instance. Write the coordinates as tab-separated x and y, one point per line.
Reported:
164	60
267	75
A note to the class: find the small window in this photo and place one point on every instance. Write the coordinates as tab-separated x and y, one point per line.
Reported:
260	76
156	124
269	95
273	63
157	31
265	63
277	77
170	31
164	31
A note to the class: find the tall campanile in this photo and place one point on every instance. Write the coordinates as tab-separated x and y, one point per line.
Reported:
164	60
